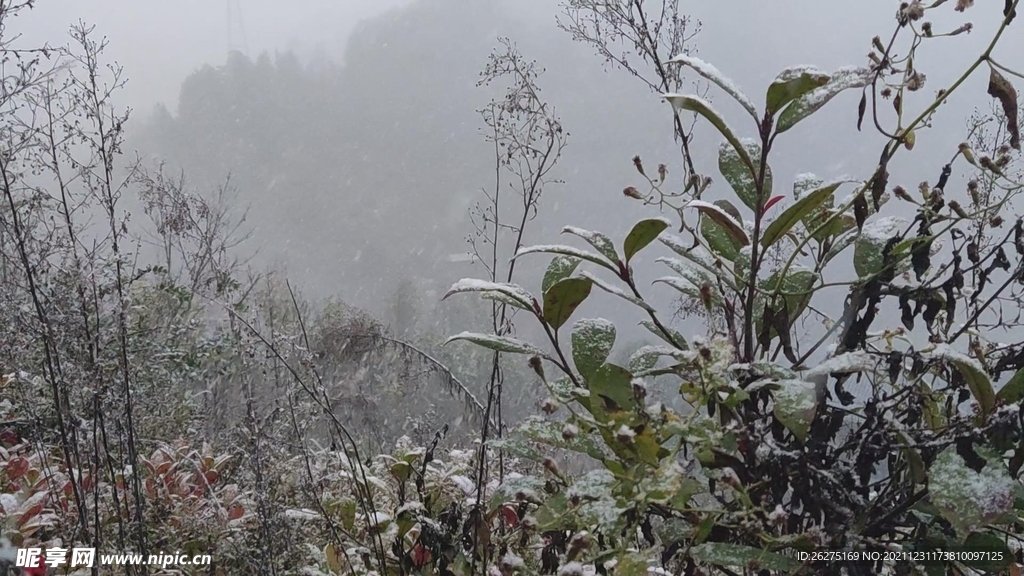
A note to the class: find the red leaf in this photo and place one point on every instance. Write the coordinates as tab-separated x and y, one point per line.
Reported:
420	556
772	202
17	467
510	515
235	512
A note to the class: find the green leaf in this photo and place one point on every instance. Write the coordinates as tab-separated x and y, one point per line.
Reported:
712	73
616	291
723	219
1013	391
592	342
549	433
999	559
702	107
737	555
643	233
977	380
740	177
804	106
644	359
499	343
508	293
796	403
969	499
566	251
601	242
562	299
795	213
718	238
791	84
560	268
615	383
675	334
632	564
797	285
870	244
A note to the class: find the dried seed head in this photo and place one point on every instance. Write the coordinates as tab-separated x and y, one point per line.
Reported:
639	389
996	221
632	192
549	406
886	92
926	27
662	171
1004	149
955	207
914	11
625	435
551	466
916	81
705	353
639	165
989	165
968	154
965	27
924	188
538	366
901	193
570	432
962	5
877	43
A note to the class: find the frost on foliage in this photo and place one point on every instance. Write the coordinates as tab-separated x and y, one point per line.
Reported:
856	361
647	357
517	486
967	498
796	402
805	183
594	490
602	243
499	343
617	291
867	255
712	73
592	341
514	294
842	79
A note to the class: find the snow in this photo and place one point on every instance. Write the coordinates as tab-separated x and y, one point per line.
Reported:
856	361
880	230
712	73
616	291
474	285
842	79
971	497
947	352
598	240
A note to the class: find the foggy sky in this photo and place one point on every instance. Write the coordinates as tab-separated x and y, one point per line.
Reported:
161	43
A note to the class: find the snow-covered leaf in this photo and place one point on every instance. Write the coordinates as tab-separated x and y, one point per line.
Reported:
718	237
710	72
602	243
511	293
592	342
742	178
796	403
562	299
804	106
785	222
673	334
791	84
647	357
560	268
973	373
743	557
499	343
566	251
847	362
643	233
617	291
549	433
722	218
966	498
703	107
1013	391
870	244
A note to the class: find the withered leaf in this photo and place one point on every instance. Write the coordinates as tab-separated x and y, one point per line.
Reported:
1001	89
860	210
878	184
861	108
